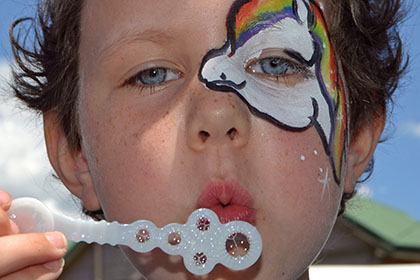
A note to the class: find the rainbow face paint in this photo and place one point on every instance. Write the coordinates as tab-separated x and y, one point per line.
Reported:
278	58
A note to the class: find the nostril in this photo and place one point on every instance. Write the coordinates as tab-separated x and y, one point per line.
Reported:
204	135
232	133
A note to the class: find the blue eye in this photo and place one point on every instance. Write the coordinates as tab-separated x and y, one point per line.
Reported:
152	77
156	76
274	66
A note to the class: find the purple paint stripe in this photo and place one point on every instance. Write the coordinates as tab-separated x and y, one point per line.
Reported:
261	25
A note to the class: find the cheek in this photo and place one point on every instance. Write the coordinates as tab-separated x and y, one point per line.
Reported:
114	139
300	194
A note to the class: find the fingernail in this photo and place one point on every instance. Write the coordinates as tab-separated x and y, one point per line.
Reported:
56	239
55	265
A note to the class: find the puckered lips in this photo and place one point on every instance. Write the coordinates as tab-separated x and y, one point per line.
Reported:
229	200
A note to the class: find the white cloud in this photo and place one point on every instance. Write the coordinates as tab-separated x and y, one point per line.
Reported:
412	128
24	167
364	191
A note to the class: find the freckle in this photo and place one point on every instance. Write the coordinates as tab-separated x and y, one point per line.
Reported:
302	158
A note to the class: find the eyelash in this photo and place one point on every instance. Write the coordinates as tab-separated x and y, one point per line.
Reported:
295	68
136	79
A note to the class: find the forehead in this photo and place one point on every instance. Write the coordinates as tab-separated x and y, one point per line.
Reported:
105	22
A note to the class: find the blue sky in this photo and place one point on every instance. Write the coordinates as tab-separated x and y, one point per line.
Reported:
396	178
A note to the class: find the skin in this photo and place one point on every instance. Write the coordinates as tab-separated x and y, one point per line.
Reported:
143	146
28	256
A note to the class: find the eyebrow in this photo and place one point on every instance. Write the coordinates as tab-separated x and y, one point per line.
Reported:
126	38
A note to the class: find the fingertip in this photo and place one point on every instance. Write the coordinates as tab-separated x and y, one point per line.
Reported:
56	265
5	200
57	239
14	228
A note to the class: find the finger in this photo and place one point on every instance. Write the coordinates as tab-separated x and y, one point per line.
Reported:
23	250
14	227
5	225
5	200
48	271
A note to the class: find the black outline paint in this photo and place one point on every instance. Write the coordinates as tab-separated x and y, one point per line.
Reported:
229	86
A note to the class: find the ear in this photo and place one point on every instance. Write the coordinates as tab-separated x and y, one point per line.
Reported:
70	166
361	150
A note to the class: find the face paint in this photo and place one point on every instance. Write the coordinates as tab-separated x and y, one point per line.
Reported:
278	58
325	181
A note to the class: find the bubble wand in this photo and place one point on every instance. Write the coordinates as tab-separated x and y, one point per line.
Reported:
203	241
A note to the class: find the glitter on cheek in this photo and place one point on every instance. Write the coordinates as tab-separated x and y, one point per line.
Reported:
302	158
315	152
325	181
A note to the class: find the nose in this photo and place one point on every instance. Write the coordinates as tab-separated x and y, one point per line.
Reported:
217	119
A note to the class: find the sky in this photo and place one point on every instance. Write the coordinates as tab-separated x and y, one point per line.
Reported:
25	171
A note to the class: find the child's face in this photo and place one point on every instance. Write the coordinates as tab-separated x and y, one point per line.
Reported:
160	152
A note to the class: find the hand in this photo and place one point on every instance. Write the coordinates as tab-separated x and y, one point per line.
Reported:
31	255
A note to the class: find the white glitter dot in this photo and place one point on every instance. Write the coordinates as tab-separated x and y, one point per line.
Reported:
302	158
321	170
315	152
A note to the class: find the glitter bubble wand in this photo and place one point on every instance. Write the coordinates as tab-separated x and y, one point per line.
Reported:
203	241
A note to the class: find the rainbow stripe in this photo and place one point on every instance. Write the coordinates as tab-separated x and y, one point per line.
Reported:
333	86
258	15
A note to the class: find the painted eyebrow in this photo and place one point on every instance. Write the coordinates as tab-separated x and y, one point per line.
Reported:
114	45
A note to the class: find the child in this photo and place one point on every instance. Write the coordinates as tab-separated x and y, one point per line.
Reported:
265	111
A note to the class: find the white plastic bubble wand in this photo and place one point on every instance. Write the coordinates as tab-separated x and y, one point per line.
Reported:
203	241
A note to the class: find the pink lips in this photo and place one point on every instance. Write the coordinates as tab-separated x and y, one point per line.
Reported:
229	201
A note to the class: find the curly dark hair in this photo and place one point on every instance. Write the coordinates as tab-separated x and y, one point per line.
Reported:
364	34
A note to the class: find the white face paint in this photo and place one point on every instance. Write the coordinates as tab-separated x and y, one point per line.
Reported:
292	106
281	63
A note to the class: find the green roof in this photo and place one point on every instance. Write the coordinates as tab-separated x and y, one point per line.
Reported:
70	246
392	228
74	250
